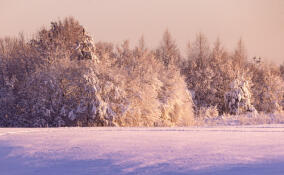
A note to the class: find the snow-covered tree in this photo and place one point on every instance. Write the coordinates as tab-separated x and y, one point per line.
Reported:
209	72
65	38
268	88
198	73
224	74
238	98
156	95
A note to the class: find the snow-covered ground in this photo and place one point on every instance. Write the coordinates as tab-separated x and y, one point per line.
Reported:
92	151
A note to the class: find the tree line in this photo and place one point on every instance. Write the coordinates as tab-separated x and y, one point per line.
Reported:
61	77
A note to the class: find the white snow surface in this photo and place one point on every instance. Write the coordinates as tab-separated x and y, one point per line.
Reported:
93	151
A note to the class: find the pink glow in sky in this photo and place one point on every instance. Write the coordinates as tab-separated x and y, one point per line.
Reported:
259	22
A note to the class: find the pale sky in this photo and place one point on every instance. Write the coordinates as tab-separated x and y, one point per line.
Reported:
260	23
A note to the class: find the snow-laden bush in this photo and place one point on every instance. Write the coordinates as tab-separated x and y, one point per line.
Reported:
238	99
268	88
176	101
70	94
156	95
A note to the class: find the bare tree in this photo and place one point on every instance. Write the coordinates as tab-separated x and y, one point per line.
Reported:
240	56
168	51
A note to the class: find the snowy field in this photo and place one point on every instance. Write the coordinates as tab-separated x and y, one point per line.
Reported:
251	150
